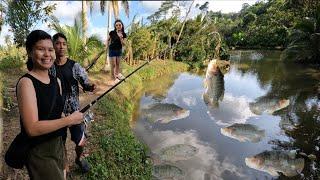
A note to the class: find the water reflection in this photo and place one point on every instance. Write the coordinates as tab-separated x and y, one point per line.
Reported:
244	132
164	112
267	105
203	164
284	104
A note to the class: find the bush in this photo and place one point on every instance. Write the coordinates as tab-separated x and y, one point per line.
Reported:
12	57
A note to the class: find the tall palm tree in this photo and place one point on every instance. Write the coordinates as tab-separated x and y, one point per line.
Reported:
76	43
2	9
84	21
114	6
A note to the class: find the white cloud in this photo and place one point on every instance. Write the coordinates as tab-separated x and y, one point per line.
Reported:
5	31
151	6
225	6
100	31
234	115
66	11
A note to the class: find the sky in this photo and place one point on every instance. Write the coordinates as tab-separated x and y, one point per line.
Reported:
67	11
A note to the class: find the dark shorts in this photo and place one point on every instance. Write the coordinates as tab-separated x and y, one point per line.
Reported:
77	132
115	53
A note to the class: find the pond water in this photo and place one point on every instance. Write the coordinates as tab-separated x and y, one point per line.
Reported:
259	121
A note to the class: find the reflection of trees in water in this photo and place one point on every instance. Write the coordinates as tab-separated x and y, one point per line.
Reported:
159	88
301	120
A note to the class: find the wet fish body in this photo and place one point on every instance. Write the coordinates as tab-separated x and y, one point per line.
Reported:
244	132
165	112
268	106
276	161
177	152
214	82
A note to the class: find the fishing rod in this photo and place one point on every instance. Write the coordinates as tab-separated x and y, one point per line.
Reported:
114	86
96	59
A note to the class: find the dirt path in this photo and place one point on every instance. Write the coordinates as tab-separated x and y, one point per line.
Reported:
11	125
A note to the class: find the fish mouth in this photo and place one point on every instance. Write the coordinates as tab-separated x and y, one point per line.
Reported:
252	162
226	131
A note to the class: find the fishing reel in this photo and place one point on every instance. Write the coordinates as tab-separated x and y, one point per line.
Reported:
88	117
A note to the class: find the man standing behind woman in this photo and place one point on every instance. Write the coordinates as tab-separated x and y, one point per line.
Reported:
71	74
40	106
116	42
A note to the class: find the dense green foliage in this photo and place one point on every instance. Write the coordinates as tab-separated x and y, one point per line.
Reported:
23	15
78	48
12	57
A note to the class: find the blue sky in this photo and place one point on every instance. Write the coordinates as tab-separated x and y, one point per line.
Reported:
67	11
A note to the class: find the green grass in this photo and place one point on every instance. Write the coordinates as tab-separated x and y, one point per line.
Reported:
12	57
115	152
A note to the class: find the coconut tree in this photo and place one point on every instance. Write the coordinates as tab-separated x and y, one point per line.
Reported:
76	42
84	21
2	10
114	6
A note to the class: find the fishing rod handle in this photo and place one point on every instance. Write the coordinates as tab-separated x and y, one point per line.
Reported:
83	110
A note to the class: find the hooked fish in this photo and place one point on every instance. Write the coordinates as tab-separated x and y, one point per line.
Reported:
214	82
177	152
166	171
268	106
165	112
244	132
276	161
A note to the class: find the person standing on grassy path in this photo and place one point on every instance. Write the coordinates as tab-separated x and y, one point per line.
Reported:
116	42
71	74
40	106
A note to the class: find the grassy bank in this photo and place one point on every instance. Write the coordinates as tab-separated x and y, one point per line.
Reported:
115	152
1	117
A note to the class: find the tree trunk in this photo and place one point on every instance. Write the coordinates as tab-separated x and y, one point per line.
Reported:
84	30
107	66
181	30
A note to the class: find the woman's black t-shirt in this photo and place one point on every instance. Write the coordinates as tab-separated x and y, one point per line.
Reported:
115	41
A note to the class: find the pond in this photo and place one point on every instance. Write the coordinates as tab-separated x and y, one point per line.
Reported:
261	120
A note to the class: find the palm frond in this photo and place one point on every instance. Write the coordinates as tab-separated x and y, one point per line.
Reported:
125	5
90	3
102	6
115	8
